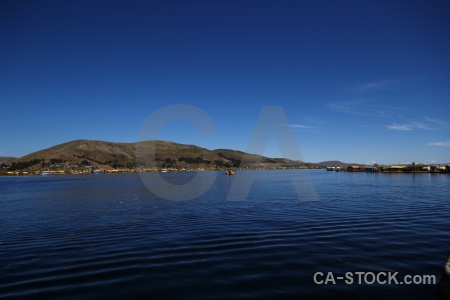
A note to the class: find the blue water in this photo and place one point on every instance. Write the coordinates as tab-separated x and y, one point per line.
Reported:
91	236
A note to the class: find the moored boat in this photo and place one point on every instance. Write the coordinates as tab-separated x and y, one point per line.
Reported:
444	282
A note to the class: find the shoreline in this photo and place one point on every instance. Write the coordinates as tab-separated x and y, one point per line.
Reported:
121	171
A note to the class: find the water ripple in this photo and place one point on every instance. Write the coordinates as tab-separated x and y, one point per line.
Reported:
72	237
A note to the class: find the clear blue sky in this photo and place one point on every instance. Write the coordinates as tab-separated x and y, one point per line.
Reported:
360	81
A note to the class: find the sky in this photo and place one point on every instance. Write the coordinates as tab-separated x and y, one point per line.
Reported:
359	81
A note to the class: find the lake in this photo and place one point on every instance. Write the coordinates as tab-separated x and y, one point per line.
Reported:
107	235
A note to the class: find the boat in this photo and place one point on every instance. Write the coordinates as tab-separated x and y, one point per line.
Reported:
329	169
163	171
230	172
97	171
371	169
444	282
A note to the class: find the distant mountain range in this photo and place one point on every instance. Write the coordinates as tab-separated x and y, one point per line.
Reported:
110	155
336	163
5	159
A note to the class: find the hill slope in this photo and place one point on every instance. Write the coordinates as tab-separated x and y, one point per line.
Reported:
109	155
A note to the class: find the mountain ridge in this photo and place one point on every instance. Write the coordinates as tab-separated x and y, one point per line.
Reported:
5	159
114	155
337	163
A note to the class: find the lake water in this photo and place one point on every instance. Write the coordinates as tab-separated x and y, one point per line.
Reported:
92	236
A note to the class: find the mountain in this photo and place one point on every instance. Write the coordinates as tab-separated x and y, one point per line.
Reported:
109	155
336	163
5	159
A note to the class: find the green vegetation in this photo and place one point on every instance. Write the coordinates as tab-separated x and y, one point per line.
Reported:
85	163
89	158
21	165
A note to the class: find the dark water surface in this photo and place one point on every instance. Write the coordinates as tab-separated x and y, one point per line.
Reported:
92	236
